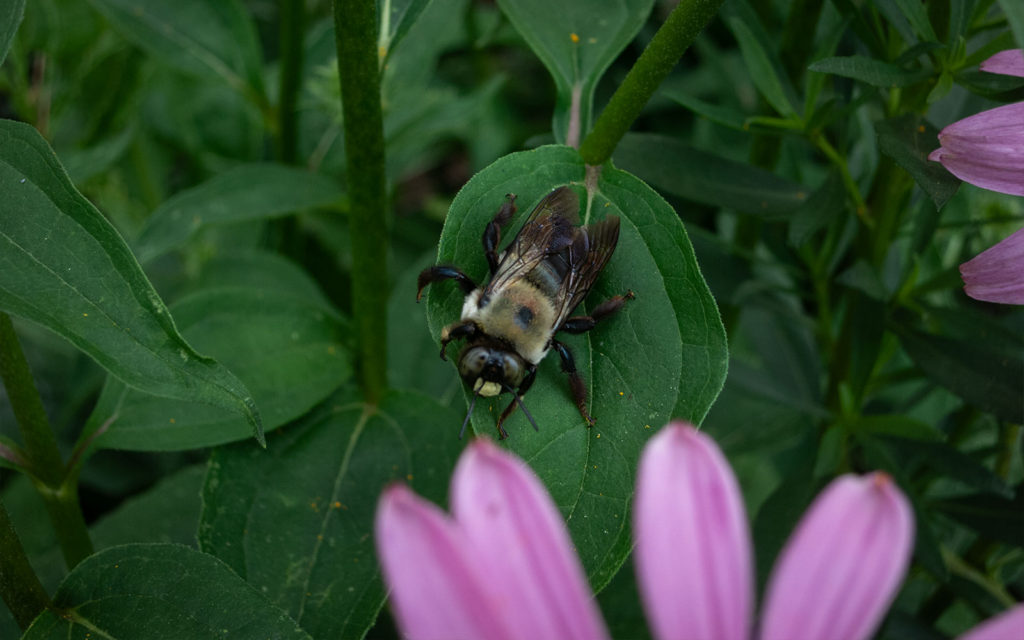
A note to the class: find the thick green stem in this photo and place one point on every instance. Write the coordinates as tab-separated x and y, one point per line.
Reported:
293	19
685	22
355	30
45	464
19	586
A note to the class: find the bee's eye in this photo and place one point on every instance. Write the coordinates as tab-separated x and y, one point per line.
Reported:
473	361
513	372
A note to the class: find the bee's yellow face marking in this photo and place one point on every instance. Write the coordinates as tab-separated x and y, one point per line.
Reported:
486	389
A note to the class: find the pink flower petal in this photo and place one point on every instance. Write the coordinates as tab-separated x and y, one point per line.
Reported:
1006	626
997	273
437	591
693	551
840	570
1007	63
504	509
986	149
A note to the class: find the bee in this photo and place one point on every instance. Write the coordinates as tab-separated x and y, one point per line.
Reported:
510	323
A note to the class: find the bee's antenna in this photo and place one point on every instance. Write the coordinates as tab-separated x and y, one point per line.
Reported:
522	406
472	404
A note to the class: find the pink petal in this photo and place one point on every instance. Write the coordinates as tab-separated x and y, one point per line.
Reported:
840	570
997	273
1007	63
504	509
437	591
986	149
693	551
1005	626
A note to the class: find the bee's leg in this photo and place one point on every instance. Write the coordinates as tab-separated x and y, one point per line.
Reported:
524	386
582	324
464	329
579	391
492	232
443	272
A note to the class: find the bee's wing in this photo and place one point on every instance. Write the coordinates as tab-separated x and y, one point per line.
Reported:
547	231
592	245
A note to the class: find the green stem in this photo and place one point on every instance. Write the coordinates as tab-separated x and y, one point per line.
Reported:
355	29
49	474
293	19
19	586
685	22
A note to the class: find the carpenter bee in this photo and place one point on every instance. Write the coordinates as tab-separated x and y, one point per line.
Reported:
510	323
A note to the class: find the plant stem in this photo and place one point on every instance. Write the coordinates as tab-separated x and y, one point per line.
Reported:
19	586
45	464
293	19
355	29
685	22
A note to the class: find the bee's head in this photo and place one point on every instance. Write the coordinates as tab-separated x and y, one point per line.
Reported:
490	370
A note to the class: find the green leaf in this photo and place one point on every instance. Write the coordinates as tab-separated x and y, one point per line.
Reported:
725	116
11	13
248	192
296	520
908	139
896	425
917	15
212	39
576	40
287	347
990	379
396	17
877	73
993	517
169	590
64	266
413	360
765	70
662	356
701	176
1015	18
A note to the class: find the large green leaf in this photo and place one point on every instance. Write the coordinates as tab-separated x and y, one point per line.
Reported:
248	192
663	355
877	73
64	266
296	520
576	40
210	38
159	591
286	346
11	12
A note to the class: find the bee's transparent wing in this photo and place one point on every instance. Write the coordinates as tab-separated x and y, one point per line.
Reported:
591	248
549	230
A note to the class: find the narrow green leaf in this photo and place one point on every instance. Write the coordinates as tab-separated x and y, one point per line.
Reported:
169	590
65	267
765	71
576	40
701	176
989	379
296	520
896	425
11	12
993	517
287	348
662	356
395	18
908	139
916	14
1014	11
874	72
248	192
212	39
725	116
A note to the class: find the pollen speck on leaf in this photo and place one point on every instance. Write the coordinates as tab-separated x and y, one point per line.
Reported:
171	420
408	477
920	128
575	38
